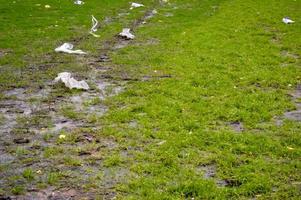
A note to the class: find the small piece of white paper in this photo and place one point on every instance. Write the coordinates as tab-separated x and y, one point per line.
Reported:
287	20
79	2
136	5
67	48
65	77
126	34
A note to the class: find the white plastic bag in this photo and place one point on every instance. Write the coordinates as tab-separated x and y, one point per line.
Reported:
136	5
287	20
126	34
67	48
70	82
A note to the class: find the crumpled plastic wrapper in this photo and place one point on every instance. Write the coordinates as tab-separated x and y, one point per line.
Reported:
67	48
136	5
71	83
287	20
126	34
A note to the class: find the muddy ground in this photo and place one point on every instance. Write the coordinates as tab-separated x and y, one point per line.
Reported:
39	124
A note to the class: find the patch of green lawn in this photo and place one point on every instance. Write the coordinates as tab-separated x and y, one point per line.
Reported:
225	68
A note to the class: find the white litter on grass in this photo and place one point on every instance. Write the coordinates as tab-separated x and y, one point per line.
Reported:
79	2
67	48
70	82
287	20
136	5
161	143
126	34
152	14
62	137
94	27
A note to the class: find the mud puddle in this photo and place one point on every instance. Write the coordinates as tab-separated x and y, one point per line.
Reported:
295	115
210	173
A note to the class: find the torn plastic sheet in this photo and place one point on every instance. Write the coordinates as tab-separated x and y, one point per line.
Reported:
70	82
67	48
126	34
94	27
136	5
79	2
287	20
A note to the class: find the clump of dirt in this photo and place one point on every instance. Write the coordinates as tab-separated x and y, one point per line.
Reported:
121	44
209	173
11	107
4	52
208	170
237	126
289	55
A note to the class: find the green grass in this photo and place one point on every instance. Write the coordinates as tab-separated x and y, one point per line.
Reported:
53	178
28	174
18	190
228	60
224	68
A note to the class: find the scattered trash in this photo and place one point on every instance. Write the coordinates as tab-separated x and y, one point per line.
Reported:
136	5
287	20
161	143
62	136
79	2
94	27
70	82
290	148
126	34
151	14
47	6
67	48
39	172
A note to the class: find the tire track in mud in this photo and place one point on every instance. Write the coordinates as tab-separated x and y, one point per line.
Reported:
27	116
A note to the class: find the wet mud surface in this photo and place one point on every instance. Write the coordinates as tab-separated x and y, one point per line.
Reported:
210	173
296	98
